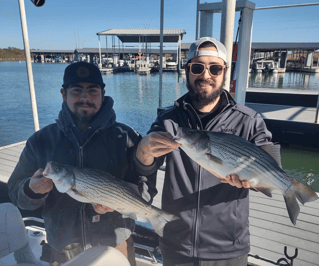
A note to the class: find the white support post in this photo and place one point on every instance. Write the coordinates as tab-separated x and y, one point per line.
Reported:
179	53
28	63
161	54
243	56
206	24
100	63
227	34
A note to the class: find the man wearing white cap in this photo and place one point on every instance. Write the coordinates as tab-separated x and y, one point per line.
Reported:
213	229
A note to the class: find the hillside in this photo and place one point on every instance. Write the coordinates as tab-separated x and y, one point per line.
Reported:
11	54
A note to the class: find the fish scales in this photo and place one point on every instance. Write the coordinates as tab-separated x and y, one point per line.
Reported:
94	186
223	154
262	165
114	193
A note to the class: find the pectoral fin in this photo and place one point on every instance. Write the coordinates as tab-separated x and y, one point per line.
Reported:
214	159
264	190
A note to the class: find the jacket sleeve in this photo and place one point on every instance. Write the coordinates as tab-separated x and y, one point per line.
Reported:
259	134
19	192
143	176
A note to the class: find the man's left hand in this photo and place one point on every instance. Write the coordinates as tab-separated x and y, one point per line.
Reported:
234	181
101	209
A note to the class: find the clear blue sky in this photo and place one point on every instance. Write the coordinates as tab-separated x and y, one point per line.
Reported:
63	24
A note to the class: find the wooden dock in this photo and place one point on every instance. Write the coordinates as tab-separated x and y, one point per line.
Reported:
270	226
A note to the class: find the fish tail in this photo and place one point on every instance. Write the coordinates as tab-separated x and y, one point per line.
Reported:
159	219
302	193
292	206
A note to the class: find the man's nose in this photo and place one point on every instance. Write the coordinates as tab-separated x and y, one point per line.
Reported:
84	94
206	73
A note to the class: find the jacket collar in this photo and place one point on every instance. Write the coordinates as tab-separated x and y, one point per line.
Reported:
105	118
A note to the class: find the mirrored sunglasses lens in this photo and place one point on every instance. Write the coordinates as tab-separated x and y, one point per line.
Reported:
215	70
197	69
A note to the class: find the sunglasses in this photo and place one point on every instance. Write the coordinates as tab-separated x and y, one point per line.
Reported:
198	69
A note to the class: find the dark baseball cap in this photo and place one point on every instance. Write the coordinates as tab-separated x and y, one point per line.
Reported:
82	72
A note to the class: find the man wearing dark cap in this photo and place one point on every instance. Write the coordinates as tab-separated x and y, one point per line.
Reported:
85	134
213	229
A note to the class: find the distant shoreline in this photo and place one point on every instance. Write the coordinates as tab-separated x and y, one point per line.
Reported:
11	60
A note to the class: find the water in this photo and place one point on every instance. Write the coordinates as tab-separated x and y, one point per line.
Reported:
136	102
288	80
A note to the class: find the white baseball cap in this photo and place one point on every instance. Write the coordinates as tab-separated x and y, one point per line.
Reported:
193	49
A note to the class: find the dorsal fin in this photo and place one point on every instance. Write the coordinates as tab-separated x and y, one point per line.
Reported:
274	151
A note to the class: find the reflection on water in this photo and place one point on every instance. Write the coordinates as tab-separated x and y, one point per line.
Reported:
302	165
288	80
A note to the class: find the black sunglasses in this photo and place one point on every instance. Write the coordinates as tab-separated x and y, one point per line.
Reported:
199	68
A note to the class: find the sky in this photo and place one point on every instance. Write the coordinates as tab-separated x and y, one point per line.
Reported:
70	24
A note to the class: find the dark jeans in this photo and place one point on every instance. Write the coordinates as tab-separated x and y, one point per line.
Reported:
178	260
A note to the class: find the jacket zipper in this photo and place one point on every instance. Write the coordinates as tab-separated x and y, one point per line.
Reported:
196	213
194	251
85	247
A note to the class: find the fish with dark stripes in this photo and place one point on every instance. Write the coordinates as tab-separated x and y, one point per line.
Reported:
223	154
94	186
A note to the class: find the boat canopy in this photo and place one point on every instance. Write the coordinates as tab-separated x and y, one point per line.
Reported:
149	35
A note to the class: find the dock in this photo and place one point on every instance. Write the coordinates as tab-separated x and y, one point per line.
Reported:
289	114
270	227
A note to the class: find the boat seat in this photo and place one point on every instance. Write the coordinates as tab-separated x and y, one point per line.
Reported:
99	256
14	237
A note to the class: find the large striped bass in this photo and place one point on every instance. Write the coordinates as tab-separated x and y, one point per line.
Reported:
94	186
223	154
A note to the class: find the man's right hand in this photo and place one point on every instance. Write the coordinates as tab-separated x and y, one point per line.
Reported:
40	184
154	145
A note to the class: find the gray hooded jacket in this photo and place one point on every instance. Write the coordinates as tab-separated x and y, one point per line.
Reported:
214	215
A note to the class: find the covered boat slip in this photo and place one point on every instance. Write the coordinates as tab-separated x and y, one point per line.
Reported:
270	226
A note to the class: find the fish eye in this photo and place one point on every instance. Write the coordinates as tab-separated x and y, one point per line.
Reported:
188	132
57	169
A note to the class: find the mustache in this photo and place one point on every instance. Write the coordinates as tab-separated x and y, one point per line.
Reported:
204	81
87	104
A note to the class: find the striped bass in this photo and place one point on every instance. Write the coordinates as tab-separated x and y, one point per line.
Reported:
94	186
224	154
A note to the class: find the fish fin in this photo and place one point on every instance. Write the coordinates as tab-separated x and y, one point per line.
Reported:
214	159
130	215
292	207
264	190
303	193
274	151
77	196
159	219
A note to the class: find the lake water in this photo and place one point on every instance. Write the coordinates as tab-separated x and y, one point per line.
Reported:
136	102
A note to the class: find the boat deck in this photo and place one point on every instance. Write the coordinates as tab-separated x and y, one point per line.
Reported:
270	226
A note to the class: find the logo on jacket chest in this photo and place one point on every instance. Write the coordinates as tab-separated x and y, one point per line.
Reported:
228	130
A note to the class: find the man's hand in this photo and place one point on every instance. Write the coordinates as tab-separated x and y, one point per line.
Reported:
101	209
40	184
234	181
154	145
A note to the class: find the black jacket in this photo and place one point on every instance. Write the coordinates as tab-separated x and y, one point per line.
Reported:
214	216
107	146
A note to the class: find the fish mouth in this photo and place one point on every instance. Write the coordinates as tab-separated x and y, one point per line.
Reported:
47	170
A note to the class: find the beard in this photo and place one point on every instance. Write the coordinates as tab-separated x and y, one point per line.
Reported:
201	96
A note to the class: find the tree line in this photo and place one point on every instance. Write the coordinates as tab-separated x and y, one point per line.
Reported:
11	54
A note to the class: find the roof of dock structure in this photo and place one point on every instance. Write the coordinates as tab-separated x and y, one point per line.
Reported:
275	46
51	51
126	50
271	46
149	35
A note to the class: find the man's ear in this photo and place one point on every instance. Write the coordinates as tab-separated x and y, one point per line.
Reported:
63	92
